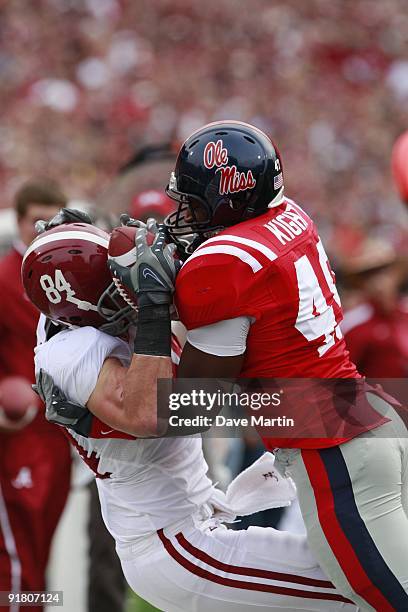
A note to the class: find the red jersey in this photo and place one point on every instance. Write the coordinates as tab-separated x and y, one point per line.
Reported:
274	269
18	322
378	340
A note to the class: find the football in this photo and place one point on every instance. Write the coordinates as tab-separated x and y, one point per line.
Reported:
17	397
122	250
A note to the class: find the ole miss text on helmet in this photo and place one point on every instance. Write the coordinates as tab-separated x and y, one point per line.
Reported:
226	172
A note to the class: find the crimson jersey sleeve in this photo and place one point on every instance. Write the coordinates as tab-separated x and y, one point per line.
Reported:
214	288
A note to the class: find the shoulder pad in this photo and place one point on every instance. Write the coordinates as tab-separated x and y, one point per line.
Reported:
212	283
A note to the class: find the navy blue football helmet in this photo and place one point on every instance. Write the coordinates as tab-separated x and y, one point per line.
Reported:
226	172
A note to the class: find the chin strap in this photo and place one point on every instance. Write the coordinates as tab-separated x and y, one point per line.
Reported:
277	200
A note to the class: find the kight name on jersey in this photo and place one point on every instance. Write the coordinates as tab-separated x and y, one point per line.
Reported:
286	226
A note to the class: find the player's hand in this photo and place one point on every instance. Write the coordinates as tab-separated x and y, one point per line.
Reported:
65	215
151	278
151	224
128	221
57	408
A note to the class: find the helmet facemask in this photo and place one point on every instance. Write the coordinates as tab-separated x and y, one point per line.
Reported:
192	222
119	316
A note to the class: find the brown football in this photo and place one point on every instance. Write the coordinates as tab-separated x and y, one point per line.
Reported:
122	249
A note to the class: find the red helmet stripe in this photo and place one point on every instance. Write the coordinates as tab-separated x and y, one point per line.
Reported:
68	235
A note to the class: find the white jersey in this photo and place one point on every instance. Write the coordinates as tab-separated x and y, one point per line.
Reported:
173	551
152	483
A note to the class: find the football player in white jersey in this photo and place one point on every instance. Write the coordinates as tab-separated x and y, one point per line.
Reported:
157	502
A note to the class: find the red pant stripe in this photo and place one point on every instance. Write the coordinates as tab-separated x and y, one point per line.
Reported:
335	536
241	584
249	571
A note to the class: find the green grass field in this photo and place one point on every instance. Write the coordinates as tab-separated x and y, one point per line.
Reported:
135	604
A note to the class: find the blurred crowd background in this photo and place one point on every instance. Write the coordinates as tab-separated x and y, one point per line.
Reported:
85	83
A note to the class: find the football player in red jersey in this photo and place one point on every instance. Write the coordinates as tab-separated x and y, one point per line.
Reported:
35	460
258	298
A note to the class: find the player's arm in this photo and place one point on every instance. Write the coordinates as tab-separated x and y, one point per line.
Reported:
140	394
107	402
209	303
215	351
151	279
198	364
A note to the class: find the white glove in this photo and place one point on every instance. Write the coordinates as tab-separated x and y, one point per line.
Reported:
260	487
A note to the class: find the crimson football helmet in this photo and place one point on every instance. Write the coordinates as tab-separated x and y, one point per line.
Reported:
226	172
65	275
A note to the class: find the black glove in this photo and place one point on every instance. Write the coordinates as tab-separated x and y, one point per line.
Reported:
58	409
151	278
65	215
